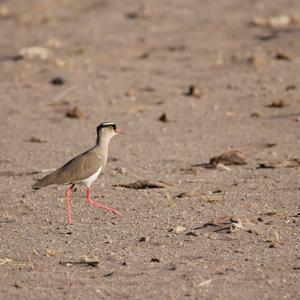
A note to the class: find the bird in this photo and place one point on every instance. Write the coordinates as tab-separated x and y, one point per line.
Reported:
84	168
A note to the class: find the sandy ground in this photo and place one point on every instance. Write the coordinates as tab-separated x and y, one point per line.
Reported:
129	62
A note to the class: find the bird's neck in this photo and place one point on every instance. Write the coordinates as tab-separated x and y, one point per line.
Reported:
102	143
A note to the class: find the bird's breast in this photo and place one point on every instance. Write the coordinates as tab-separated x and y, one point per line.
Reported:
88	181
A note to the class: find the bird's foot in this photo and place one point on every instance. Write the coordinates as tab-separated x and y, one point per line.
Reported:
98	205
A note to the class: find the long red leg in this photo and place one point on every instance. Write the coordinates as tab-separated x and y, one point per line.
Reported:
69	204
91	202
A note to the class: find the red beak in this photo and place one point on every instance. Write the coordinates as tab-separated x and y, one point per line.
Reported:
119	131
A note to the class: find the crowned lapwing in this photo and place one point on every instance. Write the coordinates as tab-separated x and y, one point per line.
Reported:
84	168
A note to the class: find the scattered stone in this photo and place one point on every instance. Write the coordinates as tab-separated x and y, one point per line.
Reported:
194	169
4	261
270	213
142	12
57	81
179	229
195	194
192	233
283	56
256	60
3	10
148	89
130	94
178	48
210	198
79	51
234	157
163	118
144	55
276	21
35	52
90	263
16	57
290	163
35	139
53	43
171	267
109	274
60	63
231	113
121	170
270	145
290	87
274	239
297	119
51	252
145	239
228	225
132	15
75	113
205	283
154	259
193	91
143	184
277	104
113	159
269	36
17	285
188	194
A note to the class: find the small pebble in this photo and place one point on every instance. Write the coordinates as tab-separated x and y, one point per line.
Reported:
277	104
60	63
57	81
255	115
283	56
145	239
163	118
121	170
171	267
75	113
192	233
193	91
179	229
256	60
290	87
34	139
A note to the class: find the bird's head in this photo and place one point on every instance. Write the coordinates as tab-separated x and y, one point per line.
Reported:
108	130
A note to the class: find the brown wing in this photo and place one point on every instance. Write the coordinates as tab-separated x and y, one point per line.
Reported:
78	168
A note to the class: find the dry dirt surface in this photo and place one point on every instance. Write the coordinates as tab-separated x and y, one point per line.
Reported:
188	81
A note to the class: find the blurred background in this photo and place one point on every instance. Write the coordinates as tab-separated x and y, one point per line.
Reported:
186	80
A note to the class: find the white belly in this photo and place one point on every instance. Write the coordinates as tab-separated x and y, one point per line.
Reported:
87	182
